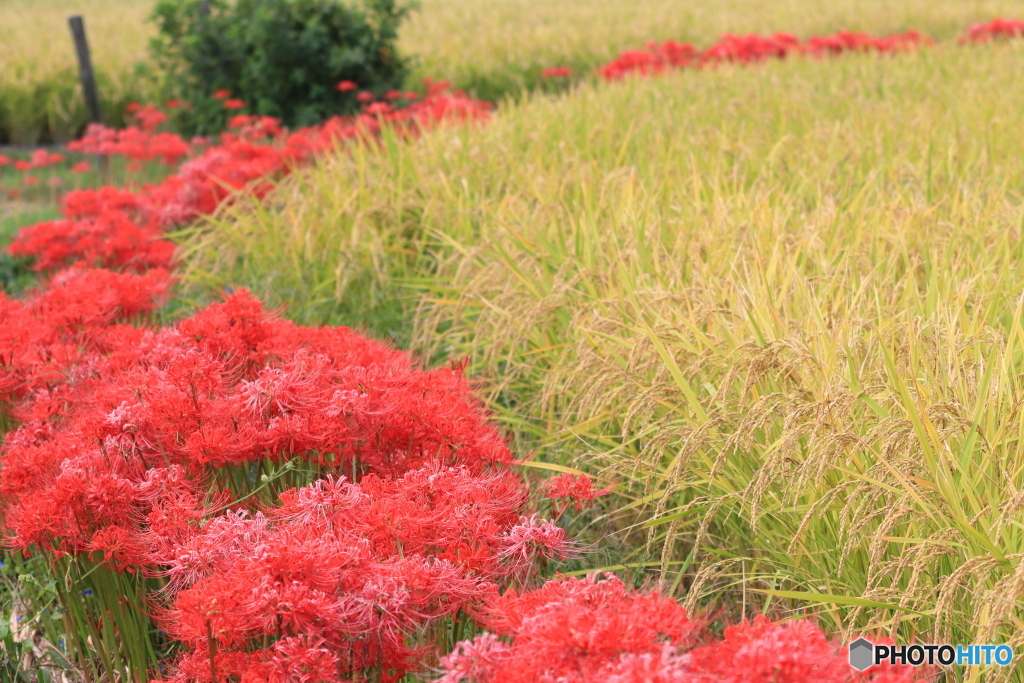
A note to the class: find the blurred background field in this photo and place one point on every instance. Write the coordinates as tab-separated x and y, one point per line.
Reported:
40	95
492	48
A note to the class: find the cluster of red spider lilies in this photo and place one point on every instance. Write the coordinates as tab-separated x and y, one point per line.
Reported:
658	58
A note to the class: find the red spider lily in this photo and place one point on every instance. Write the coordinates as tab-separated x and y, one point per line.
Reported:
576	488
531	540
222	94
51	332
555	72
845	41
134	143
597	630
4	160
378	108
111	240
997	28
149	118
81	167
345	86
656	59
752	48
39	159
30	180
365	96
173	104
792	652
569	629
132	107
324	566
234	104
435	87
253	128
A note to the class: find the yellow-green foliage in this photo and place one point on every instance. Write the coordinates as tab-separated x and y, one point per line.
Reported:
780	305
35	41
40	95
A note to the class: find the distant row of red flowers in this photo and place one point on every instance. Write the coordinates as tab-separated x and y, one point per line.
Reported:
746	49
749	49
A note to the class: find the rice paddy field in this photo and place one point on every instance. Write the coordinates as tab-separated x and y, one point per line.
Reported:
777	309
779	306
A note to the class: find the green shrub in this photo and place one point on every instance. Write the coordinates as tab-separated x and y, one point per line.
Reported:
283	58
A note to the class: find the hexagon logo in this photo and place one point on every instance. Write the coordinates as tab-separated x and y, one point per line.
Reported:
862	654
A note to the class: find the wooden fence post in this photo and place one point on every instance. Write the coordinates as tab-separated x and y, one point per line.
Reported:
85	72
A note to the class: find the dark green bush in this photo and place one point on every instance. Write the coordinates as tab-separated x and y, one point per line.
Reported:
283	58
